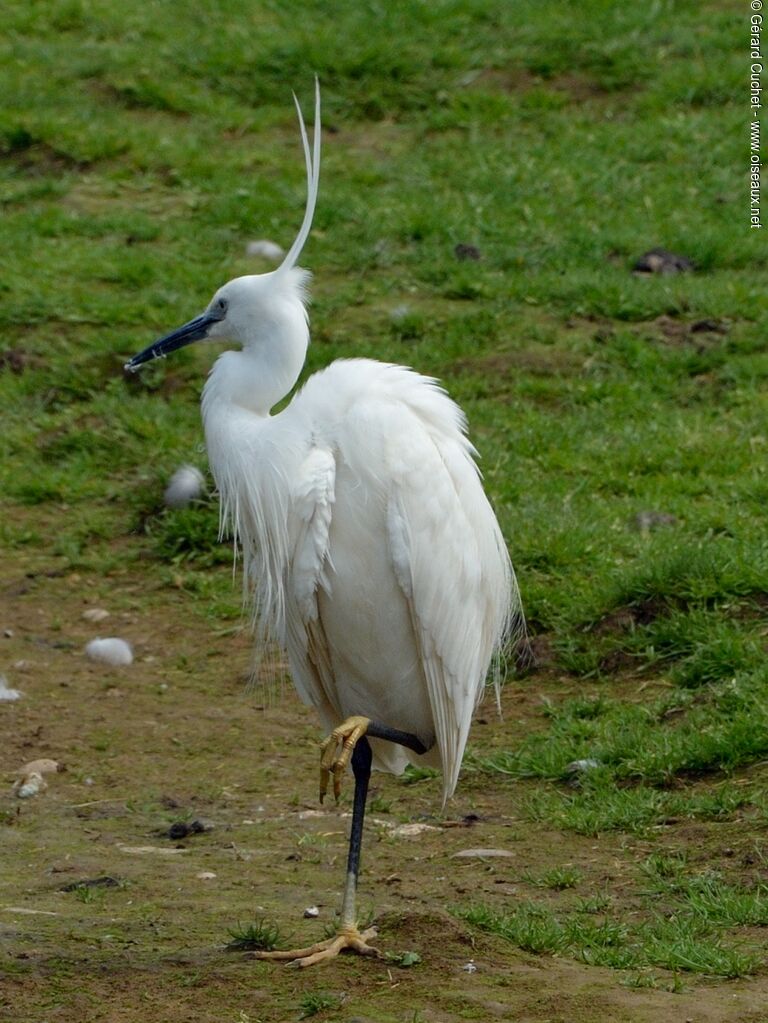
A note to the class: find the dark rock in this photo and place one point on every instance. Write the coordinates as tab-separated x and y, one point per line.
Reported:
464	252
709	327
183	830
93	882
14	359
662	261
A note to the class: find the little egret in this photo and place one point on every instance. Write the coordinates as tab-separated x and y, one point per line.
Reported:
370	550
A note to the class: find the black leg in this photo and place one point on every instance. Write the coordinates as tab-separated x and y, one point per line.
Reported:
379	731
361	768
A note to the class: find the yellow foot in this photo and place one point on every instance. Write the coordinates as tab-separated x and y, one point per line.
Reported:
349	939
347	734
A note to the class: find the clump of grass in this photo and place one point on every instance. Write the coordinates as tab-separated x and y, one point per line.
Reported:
707	896
530	927
403	959
412	775
634	752
317	1001
683	943
378	804
680	942
602	806
598	903
261	935
558	878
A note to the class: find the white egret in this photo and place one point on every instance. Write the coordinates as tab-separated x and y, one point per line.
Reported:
370	550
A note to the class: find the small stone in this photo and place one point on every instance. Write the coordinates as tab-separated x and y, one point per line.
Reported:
8	633
206	875
481	853
186	485
6	693
662	261
400	313
31	785
470	967
463	252
143	850
581	766
104	881
181	830
411	830
311	912
29	778
116	652
95	614
709	326
266	248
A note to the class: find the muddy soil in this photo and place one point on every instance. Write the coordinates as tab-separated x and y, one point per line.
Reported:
176	739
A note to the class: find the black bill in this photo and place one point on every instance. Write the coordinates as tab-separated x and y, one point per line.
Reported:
195	330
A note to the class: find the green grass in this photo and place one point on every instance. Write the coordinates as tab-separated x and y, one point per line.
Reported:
675	943
139	154
557	878
677	919
260	935
317	1001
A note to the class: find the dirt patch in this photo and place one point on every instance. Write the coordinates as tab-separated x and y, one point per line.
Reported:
579	87
541	361
174	739
701	334
622	619
38	158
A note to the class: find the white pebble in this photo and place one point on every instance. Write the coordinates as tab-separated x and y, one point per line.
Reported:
29	779
580	766
206	875
95	614
470	967
186	485
6	693
264	247
481	854
30	786
311	912
110	651
400	313
411	830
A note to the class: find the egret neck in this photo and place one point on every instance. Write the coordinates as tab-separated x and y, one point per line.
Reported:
274	335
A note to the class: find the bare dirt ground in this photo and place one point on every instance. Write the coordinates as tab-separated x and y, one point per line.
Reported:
176	738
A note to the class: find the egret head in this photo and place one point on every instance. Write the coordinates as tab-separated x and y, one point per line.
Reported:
249	309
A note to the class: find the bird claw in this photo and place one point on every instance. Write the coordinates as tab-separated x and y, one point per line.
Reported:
348	939
348	733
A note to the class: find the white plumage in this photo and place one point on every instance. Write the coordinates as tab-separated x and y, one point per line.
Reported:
371	553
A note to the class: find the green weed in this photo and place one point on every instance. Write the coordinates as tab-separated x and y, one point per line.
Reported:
557	878
317	1001
677	943
261	935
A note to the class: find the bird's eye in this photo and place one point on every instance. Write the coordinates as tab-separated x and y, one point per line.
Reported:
222	305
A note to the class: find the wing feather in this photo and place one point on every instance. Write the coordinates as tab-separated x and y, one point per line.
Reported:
450	559
307	644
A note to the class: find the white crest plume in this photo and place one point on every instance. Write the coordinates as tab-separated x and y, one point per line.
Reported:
313	179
